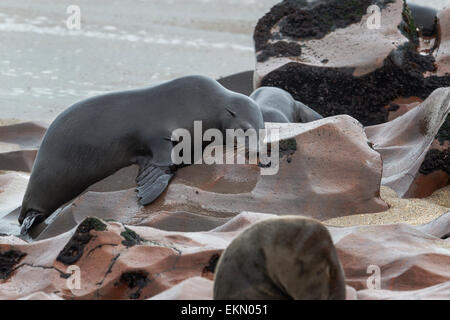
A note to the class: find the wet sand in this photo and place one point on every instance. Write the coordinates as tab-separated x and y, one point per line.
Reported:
7	122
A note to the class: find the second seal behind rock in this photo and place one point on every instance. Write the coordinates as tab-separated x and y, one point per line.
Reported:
278	105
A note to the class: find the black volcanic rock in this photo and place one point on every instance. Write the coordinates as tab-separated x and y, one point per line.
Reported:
341	66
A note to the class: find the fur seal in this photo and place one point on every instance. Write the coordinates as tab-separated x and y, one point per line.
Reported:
281	258
96	137
278	105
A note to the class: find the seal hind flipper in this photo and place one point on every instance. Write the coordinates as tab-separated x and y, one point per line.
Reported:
150	194
156	171
152	181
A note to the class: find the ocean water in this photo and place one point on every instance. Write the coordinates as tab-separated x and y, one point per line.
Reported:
45	67
438	4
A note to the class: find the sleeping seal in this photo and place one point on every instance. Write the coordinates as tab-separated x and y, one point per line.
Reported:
278	105
96	137
281	258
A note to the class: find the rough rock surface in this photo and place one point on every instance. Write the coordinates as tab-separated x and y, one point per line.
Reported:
196	288
438	292
344	67
116	261
122	262
434	170
443	51
115	198
308	173
409	258
327	162
12	189
19	144
403	142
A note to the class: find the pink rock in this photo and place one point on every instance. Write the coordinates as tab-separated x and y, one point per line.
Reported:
333	167
12	189
19	144
196	288
406	258
433	174
116	263
26	135
124	262
424	185
437	292
439	227
443	51
350	293
404	141
18	160
333	172
41	296
404	105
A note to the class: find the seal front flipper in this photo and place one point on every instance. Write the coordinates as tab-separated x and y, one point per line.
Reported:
156	171
152	181
32	218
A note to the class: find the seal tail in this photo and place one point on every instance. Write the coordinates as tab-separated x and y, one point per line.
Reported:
152	181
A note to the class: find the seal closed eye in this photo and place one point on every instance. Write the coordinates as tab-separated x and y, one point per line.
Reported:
98	136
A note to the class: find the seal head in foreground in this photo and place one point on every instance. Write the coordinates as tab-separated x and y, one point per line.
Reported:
282	258
96	137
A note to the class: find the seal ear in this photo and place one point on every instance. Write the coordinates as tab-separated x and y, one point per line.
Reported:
233	114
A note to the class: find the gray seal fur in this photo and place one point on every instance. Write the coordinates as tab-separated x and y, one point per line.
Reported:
278	105
96	137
